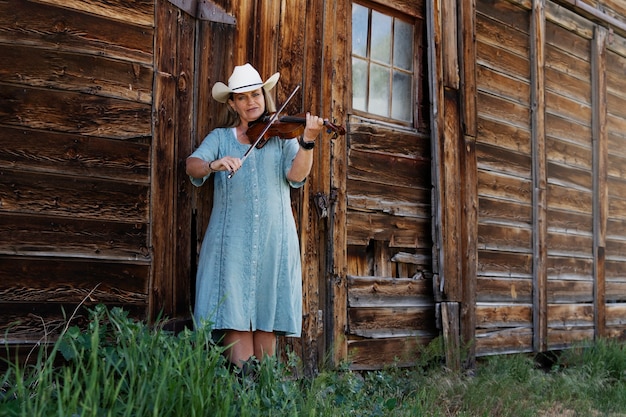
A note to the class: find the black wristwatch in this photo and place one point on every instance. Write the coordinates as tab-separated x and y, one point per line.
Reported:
305	145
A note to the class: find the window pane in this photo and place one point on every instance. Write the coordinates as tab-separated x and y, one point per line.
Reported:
359	30
401	106
379	90
381	37
403	45
359	84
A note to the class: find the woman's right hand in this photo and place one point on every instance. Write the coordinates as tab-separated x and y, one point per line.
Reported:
199	168
227	163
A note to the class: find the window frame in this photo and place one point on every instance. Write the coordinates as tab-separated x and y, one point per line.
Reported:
417	85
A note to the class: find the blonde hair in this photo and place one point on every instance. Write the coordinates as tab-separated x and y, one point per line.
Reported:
228	117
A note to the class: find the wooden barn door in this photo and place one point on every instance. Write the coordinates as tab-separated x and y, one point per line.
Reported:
390	306
187	63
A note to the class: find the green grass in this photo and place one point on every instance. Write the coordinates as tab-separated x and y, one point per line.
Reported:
120	367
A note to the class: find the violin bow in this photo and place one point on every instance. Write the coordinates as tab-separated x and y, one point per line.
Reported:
267	126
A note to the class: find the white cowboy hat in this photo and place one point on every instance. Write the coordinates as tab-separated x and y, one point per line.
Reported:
243	79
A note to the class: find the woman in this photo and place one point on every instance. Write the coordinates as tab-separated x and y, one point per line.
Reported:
249	281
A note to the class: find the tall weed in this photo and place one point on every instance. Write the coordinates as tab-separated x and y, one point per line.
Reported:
120	367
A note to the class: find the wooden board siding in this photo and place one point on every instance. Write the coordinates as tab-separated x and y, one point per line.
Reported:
390	299
569	174
503	151
615	253
75	123
516	309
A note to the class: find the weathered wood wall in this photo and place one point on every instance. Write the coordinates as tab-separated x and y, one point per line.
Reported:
550	138
508	210
75	128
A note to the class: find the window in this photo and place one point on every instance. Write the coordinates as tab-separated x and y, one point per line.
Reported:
383	75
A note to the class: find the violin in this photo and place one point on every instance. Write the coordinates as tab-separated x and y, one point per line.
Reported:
285	127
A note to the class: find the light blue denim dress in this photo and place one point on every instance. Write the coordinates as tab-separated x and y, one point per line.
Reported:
250	273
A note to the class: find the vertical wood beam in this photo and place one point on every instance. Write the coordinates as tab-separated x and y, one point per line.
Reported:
184	141
469	169
600	165
163	154
451	33
336	68
539	175
433	30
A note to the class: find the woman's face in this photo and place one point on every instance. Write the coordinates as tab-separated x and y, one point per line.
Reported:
250	105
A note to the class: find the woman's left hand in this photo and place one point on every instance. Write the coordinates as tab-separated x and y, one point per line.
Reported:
313	127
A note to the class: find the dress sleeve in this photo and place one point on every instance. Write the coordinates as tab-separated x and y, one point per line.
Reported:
290	149
207	151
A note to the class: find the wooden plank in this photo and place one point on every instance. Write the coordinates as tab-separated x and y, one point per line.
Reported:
497	210
449	44
616	315
569	268
505	111
451	173
397	201
600	185
72	197
502	60
569	199
502	160
163	155
567	153
503	85
76	72
451	328
503	135
578	112
139	12
504	264
387	169
566	130
503	290
570	18
567	316
38	280
51	27
504	341
404	232
503	315
492	31
72	112
566	338
565	83
76	155
29	324
336	88
390	292
615	268
414	8
371	136
505	187
509	13
370	354
570	176
564	291
499	237
385	322
90	238
569	244
184	146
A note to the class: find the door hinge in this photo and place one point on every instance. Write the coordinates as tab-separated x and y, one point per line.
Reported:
205	10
